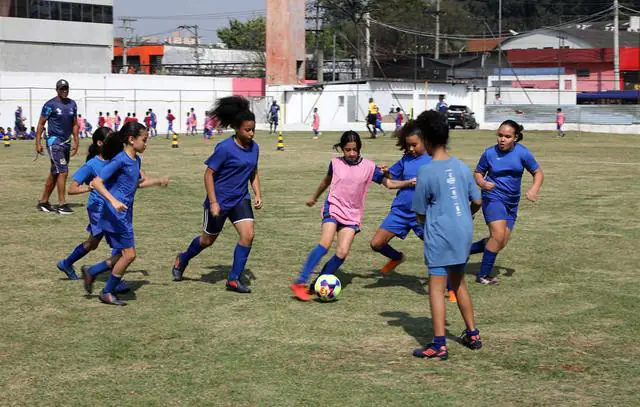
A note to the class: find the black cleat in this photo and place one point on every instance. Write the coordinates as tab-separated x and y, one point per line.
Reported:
177	270
65	209
45	207
110	299
88	279
238	286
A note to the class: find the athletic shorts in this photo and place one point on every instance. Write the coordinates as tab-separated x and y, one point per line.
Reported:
443	271
94	224
372	118
120	241
170	126
59	155
558	126
326	218
497	210
212	225
400	223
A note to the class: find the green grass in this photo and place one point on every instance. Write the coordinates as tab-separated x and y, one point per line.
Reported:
559	330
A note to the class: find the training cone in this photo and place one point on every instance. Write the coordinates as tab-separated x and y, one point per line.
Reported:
7	141
175	142
280	145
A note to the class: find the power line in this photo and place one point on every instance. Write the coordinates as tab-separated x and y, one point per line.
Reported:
210	16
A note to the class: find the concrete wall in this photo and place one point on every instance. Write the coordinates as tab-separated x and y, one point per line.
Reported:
177	54
516	94
285	41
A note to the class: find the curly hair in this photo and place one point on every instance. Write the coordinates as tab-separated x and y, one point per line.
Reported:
232	111
410	128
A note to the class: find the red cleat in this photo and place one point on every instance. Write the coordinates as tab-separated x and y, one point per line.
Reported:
301	292
392	264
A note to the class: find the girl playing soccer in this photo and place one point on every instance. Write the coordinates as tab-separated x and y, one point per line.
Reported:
348	180
315	126
499	174
117	182
233	164
441	201
401	219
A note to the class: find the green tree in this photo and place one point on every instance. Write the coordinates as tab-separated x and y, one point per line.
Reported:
248	35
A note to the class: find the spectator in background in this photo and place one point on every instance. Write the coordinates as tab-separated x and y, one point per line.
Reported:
128	118
117	121
559	122
81	126
32	134
134	118
109	121
497	100
101	120
194	122
20	119
442	106
170	119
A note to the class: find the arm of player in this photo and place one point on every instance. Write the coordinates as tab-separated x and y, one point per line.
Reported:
420	218
397	184
214	207
476	204
98	185
538	178
154	182
257	193
481	182
76	188
75	131
39	131
324	184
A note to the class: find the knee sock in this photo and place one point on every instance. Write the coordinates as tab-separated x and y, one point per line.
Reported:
331	266
478	247
112	283
312	261
192	251
389	252
240	257
98	268
488	260
78	253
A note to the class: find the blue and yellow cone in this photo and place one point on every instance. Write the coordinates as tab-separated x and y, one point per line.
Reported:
175	142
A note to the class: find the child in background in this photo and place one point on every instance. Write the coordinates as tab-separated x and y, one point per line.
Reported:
170	119
379	121
82	126
208	127
189	124
32	134
444	189
559	122
10	133
315	127
399	118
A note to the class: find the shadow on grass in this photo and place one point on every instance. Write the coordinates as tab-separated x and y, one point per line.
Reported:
75	205
219	273
421	328
129	295
474	268
394	279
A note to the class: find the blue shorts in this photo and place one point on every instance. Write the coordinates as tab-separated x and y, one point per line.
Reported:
400	223
59	155
497	210
558	126
443	271
326	218
93	227
120	241
212	225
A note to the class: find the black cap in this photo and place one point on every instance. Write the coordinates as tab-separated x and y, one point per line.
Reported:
62	84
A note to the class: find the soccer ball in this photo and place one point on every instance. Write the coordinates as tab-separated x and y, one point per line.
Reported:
327	287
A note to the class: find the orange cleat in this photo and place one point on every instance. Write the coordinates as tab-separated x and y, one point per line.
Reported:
392	264
301	291
452	296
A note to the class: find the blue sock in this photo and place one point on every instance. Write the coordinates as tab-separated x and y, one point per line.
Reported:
389	252
440	341
477	247
98	268
312	261
331	266
449	287
472	333
193	250
240	257
78	253
112	283
488	260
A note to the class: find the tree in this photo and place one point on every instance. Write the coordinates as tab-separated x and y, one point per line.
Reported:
248	35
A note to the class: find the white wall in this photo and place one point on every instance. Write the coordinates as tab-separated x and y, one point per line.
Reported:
177	54
516	96
125	93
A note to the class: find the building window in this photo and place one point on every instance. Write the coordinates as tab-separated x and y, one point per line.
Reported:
583	73
61	11
341	101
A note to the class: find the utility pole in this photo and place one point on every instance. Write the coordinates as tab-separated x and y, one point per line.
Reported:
319	58
499	47
437	53
333	75
367	43
616	44
126	26
193	29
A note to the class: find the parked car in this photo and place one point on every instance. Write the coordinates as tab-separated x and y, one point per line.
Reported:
462	116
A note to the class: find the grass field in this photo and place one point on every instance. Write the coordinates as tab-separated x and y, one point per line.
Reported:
559	330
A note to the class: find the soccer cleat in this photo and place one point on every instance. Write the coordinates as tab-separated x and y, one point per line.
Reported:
300	291
472	342
88	279
432	353
68	270
65	209
238	286
486	280
110	299
392	264
45	207
452	296
177	271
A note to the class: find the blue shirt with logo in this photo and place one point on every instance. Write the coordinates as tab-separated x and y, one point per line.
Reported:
405	169
60	115
505	169
443	191
86	174
233	168
121	176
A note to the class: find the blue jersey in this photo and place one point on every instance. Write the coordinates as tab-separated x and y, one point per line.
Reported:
121	177
60	115
505	168
234	166
405	169
154	119
442	195
84	175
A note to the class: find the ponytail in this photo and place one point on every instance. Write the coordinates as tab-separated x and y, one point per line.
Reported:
232	111
115	143
517	128
100	135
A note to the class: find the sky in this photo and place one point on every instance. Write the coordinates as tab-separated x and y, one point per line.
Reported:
208	14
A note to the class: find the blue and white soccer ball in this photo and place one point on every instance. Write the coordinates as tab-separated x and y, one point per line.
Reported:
328	287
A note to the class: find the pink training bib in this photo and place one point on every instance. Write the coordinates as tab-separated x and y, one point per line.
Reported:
348	190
